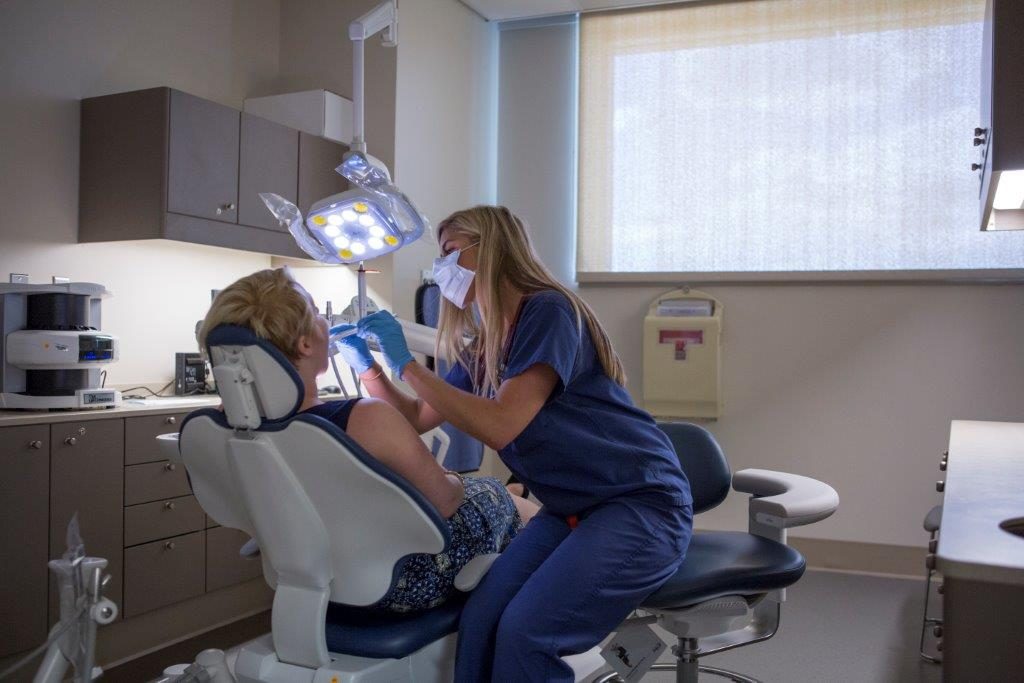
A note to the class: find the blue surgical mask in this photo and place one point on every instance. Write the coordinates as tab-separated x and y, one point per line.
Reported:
453	280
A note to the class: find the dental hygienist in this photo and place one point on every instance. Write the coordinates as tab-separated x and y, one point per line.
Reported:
539	382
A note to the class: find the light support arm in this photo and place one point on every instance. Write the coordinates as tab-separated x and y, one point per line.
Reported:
383	17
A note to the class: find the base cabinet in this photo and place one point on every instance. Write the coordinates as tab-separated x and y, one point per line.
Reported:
133	509
24	509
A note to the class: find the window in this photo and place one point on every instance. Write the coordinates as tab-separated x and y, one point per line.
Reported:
771	136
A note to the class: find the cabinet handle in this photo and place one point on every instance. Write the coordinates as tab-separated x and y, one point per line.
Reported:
35	445
169	505
170	467
940	486
225	207
169	545
71	441
171	420
975	167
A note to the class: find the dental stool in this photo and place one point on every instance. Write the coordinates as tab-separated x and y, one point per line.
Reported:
729	591
333	525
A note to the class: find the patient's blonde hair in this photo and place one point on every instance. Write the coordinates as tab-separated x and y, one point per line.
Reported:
506	257
270	303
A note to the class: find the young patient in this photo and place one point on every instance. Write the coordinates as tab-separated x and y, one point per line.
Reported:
482	515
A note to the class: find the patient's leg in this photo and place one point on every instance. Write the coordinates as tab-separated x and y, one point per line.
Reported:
527	508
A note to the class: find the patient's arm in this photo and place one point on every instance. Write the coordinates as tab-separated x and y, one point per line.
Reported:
387	436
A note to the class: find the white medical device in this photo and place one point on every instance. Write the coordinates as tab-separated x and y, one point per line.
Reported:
52	351
374	217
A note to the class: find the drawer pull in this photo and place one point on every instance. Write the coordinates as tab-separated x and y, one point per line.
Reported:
169	545
171	420
170	467
71	441
35	445
169	505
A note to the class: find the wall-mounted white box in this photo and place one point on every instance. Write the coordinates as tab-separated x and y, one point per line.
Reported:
317	112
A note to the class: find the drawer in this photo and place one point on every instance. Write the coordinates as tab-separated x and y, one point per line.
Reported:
224	567
164	572
154	481
140	436
162	519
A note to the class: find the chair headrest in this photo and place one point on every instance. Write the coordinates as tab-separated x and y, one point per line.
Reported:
256	382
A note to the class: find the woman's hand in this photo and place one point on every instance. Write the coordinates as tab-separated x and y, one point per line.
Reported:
383	327
353	349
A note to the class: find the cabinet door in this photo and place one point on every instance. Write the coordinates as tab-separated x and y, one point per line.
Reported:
140	436
87	477
164	572
24	508
317	178
224	566
203	159
268	162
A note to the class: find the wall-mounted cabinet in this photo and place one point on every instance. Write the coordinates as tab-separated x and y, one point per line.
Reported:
163	164
1000	136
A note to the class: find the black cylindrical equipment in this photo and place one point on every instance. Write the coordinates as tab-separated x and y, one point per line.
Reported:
57	311
55	382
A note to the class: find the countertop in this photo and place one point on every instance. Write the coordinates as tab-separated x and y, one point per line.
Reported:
128	408
984	487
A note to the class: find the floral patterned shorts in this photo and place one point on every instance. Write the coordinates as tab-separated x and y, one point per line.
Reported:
485	523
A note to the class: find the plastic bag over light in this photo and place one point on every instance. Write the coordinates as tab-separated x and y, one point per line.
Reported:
371	219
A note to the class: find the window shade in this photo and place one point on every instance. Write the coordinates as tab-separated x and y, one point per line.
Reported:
783	136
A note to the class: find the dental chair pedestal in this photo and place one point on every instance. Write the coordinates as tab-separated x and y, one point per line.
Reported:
333	526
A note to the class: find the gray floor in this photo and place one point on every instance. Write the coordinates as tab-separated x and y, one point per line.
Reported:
836	627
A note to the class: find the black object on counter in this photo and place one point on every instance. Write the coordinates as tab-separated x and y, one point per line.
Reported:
58	311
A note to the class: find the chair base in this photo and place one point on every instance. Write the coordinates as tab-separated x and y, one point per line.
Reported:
688	673
434	663
258	663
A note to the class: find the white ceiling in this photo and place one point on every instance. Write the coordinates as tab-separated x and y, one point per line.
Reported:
501	10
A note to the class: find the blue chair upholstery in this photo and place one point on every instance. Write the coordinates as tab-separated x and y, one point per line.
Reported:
387	635
719	563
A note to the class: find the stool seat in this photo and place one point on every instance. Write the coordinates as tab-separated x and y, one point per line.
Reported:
721	563
933	519
378	634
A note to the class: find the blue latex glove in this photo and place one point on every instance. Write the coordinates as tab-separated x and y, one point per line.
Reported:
383	327
353	349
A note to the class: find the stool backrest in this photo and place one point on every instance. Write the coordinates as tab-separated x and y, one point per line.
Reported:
703	462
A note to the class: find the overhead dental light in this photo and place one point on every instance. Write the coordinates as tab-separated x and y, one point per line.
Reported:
374	217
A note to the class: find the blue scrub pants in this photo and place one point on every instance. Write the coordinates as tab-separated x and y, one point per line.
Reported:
558	591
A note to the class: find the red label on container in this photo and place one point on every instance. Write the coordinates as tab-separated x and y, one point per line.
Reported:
694	337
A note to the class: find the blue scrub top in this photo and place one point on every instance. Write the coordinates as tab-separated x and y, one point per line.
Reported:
589	443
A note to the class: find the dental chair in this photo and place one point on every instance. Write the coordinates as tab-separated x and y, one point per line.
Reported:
333	526
729	591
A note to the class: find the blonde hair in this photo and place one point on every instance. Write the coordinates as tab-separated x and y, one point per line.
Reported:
506	258
268	302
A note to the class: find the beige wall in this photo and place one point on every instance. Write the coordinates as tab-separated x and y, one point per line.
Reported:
444	157
851	384
53	54
56	52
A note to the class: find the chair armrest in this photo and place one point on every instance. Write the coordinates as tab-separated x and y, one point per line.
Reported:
168	445
470	575
784	500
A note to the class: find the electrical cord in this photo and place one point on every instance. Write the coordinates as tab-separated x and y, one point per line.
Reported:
159	392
